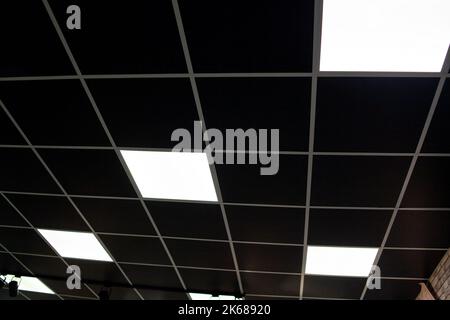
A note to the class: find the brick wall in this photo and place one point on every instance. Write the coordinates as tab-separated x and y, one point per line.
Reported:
440	279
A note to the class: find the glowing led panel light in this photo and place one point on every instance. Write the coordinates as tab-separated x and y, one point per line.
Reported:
171	175
79	245
31	284
384	35
205	296
340	261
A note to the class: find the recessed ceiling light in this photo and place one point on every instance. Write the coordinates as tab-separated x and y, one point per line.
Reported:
384	35
171	175
204	296
340	261
79	245
32	284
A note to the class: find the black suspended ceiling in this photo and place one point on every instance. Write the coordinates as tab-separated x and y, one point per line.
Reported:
252	64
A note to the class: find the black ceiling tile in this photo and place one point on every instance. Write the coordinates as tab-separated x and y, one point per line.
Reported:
358	181
268	257
49	212
322	299
394	290
115	215
89	172
436	140
162	295
409	263
244	183
145	112
136	249
154	277
8	132
204	254
420	229
9	216
53	112
213	281
333	287
77	298
103	273
9	265
142	38
32	46
188	220
250	36
270	284
24	241
258	102
266	224
256	297
21	170
371	114
40	296
117	292
44	266
429	187
60	287
348	228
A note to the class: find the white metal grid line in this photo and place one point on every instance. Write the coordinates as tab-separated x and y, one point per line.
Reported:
321	74
295	153
202	119
256	243
239	204
317	33
113	144
412	165
212	269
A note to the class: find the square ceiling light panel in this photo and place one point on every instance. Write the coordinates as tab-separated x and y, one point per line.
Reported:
384	35
340	261
171	175
205	296
29	284
78	245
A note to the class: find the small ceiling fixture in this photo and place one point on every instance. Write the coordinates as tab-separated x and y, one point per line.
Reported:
78	245
13	288
104	293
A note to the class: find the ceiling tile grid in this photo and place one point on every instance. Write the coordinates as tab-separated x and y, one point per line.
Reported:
363	158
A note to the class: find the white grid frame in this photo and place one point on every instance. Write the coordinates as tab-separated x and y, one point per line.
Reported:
192	76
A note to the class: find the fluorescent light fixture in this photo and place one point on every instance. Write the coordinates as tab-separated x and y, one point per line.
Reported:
384	35
203	296
79	245
200	296
171	175
32	284
340	261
